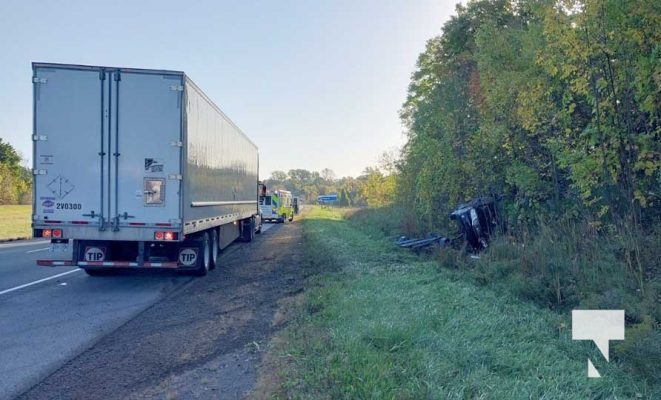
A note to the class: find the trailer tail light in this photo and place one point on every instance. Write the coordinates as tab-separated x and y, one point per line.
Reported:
165	236
52	233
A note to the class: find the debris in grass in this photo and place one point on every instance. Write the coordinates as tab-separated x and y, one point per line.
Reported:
432	238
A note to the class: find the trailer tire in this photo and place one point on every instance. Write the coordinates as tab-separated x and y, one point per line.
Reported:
248	229
205	260
259	227
215	249
251	235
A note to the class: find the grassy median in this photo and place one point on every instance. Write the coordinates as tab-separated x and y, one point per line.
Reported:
15	222
379	322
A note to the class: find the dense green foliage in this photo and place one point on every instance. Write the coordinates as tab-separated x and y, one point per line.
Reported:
15	180
556	104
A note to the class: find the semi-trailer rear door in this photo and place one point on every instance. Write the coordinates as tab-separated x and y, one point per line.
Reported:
68	145
146	143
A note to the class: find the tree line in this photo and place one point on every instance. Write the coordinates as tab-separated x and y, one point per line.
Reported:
15	180
553	103
375	187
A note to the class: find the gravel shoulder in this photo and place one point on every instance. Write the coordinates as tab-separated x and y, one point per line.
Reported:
203	340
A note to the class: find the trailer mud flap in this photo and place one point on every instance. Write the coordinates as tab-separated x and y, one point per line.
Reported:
188	256
95	254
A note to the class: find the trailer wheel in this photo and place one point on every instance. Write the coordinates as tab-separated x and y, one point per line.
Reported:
248	229
258	229
205	262
215	245
251	235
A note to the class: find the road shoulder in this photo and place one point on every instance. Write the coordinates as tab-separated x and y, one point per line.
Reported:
202	341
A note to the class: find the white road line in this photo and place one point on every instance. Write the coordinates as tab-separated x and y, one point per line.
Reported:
34	251
39	281
9	245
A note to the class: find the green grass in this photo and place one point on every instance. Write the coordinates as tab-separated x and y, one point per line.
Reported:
381	323
15	222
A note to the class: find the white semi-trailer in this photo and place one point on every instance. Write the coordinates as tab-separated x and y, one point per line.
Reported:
137	168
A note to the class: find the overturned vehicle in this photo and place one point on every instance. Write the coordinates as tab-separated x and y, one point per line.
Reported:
477	221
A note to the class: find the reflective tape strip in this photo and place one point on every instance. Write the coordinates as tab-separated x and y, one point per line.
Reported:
53	263
161	265
107	264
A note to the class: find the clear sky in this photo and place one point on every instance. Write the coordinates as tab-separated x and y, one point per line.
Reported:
314	83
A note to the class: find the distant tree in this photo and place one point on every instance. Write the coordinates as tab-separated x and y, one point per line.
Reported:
310	193
343	199
8	194
388	161
352	187
328	175
376	188
277	180
9	156
15	180
300	177
278	176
